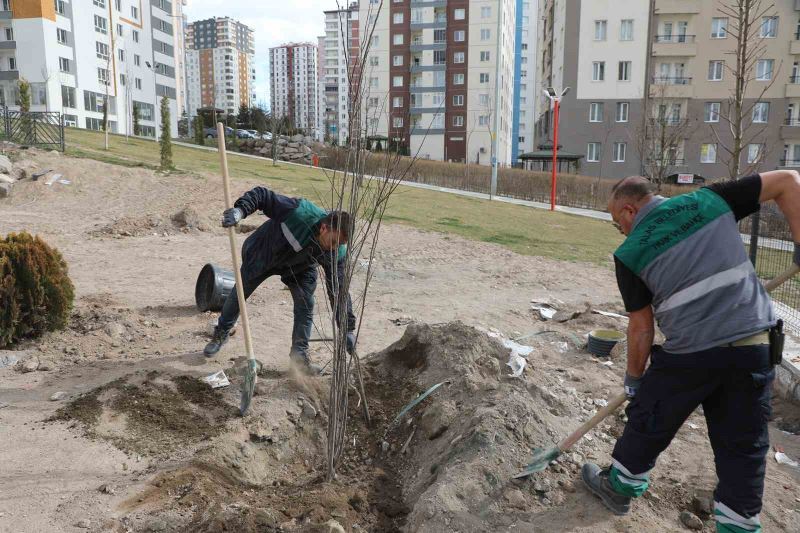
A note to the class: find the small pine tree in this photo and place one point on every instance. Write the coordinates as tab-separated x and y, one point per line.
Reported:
104	124
137	129
24	95
199	138
36	293
166	136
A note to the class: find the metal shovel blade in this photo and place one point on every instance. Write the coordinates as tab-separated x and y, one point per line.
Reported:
248	386
541	458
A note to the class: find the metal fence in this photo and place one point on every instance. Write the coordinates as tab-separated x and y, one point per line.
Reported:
43	129
771	247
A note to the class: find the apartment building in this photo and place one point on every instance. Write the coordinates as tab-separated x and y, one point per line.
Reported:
636	73
525	78
180	21
75	52
220	65
338	55
440	77
293	85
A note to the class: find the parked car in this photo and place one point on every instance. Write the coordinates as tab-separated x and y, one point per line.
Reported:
254	133
211	133
266	136
244	134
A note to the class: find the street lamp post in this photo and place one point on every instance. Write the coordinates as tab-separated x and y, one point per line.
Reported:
555	97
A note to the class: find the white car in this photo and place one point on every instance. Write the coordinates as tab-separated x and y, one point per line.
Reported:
266	136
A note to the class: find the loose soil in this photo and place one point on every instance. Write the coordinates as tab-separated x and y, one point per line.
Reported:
141	444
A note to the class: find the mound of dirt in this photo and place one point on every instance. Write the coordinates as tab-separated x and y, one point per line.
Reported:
150	414
186	220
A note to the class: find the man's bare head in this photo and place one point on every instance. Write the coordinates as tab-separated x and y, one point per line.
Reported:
627	197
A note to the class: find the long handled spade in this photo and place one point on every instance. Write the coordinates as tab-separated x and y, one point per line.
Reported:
543	456
251	371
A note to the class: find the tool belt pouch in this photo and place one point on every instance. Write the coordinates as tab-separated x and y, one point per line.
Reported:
776	341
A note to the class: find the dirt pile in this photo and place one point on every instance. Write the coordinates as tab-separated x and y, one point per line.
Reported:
186	220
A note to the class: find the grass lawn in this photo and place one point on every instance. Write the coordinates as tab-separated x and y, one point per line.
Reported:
522	229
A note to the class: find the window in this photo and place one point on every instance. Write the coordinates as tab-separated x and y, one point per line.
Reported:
135	34
596	112
711	112
68	97
626	30
100	3
12	63
754	152
459	14
623	108
484	77
459	36
439	57
761	112
61	35
100	24
9	34
486	12
598	71
397	61
102	76
123	80
458	121
375	40
138	83
458	100
397	122
620	150
593	152
118	4
60	7
119	30
397	102
719	27
137	60
486	34
708	153
458	79
397	81
101	50
769	28
373	61
600	30
486	56
483	120
439	36
397	38
397	18
458	57
624	73
63	64
483	99
135	12
764	69
715	70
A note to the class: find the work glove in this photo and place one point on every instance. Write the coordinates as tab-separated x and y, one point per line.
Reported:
797	254
632	385
351	343
231	217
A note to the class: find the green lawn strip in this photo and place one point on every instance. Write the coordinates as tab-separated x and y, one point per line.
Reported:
522	229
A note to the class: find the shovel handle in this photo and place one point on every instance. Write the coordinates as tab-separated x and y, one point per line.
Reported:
226	182
587	426
773	284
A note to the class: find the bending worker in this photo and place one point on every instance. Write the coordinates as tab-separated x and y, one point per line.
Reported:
683	263
297	237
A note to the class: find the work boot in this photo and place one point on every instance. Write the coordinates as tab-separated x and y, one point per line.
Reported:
302	362
219	338
597	482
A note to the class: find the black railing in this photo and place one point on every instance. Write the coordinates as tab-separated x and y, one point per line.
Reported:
791	122
674	38
790	162
44	129
794	79
672	80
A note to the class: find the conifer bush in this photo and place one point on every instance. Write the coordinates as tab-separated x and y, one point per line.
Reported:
36	293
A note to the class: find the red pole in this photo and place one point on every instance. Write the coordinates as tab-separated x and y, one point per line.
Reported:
555	158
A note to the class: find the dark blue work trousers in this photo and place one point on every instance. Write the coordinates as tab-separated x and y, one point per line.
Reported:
733	384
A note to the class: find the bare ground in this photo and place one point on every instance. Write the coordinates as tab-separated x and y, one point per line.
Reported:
137	445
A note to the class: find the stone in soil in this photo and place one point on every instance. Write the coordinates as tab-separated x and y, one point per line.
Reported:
691	521
58	396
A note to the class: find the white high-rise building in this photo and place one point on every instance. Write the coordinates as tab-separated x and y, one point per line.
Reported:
293	85
75	52
525	78
439	82
220	65
340	51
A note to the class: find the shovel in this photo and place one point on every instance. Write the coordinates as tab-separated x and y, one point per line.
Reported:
250	373
543	456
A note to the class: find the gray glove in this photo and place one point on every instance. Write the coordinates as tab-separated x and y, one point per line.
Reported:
231	217
351	343
797	254
632	385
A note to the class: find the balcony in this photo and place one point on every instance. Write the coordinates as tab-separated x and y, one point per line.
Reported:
790	129
678	7
792	163
9	75
793	87
671	87
5	14
420	47
794	46
8	45
674	45
439	23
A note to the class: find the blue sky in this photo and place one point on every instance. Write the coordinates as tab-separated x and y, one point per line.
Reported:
273	22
